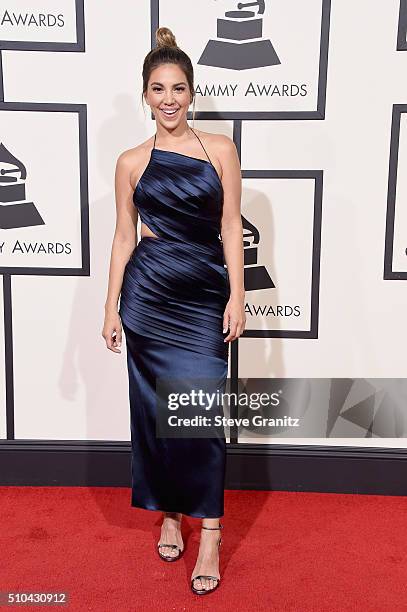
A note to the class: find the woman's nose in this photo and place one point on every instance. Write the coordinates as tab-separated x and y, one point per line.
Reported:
169	98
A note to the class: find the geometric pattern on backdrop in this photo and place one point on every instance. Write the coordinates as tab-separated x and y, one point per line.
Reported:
281	215
43	189
402	27
395	255
322	408
29	25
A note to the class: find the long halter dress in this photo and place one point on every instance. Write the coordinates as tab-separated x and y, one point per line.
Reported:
175	289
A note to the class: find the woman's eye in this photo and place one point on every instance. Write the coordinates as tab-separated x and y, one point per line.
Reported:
177	89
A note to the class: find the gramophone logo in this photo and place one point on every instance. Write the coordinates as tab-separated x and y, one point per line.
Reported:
255	58
240	44
15	210
255	276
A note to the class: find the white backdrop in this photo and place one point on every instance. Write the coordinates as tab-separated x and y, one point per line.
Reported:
67	385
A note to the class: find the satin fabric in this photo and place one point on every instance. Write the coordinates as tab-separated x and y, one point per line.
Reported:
175	289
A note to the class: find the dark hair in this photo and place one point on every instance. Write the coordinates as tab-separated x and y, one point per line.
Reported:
168	52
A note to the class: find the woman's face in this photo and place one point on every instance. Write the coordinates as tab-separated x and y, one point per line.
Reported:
168	94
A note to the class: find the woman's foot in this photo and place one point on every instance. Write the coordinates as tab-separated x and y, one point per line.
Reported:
171	534
207	563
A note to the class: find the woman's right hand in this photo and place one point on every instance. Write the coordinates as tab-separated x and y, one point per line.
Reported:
112	330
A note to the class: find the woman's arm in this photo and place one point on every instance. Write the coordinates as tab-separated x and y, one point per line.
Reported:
232	238
124	242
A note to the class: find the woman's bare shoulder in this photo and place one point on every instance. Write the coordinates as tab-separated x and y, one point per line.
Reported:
132	156
221	144
133	161
214	139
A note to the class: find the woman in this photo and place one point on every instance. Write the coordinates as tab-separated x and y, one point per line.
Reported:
177	300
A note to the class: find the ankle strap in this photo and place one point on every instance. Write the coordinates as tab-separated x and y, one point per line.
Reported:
220	527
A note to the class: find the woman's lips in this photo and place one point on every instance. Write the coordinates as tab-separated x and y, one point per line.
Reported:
170	114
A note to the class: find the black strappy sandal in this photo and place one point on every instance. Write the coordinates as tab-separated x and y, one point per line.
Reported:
205	591
169	557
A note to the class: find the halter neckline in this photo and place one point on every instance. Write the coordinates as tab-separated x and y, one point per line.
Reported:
198	159
183	154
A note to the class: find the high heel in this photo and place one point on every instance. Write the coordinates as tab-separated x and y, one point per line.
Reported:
169	557
205	591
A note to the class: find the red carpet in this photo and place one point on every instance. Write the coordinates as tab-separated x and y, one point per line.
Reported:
281	551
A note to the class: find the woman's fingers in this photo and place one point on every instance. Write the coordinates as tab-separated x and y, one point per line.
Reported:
225	322
112	332
236	330
232	332
118	337
113	340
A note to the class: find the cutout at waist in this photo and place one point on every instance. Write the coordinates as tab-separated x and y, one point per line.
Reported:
148	233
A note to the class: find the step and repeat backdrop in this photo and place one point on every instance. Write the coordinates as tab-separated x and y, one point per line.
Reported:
314	95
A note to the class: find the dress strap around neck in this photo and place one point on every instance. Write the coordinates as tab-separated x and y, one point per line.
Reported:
155	136
202	146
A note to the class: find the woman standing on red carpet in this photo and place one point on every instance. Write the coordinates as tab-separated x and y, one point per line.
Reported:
181	299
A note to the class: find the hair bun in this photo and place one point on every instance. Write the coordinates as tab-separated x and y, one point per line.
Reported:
165	38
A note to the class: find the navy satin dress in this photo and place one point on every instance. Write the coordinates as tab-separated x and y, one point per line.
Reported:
175	289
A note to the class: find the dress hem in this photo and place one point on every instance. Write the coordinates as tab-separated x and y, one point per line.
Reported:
193	514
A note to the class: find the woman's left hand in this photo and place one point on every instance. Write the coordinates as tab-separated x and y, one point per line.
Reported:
234	318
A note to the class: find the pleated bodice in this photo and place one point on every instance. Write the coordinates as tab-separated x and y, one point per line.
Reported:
180	197
176	285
